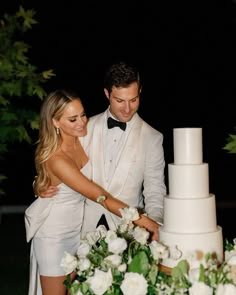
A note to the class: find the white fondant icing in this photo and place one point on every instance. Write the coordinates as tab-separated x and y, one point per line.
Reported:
187	146
190	216
188	181
188	243
189	210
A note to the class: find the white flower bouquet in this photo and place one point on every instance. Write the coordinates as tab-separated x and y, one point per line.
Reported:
126	262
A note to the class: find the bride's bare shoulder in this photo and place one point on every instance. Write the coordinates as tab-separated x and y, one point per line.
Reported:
59	158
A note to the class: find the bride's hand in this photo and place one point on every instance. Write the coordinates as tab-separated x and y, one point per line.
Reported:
50	192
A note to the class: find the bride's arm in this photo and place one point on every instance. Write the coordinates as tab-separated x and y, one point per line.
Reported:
69	174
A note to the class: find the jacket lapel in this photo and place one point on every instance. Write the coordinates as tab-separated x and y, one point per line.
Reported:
97	152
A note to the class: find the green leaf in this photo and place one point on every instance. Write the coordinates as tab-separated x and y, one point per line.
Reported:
152	275
201	274
231	144
34	124
3	101
84	287
48	74
104	246
228	246
27	15
180	270
73	289
139	263
67	282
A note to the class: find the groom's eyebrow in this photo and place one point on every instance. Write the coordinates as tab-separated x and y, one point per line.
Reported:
128	99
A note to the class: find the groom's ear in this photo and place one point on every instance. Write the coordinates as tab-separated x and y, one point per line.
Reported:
106	93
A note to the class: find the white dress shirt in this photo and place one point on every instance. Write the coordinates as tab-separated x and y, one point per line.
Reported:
115	139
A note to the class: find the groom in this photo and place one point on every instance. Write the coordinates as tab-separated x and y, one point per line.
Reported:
126	153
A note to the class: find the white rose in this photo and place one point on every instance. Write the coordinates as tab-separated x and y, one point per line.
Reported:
123	227
230	257
102	231
200	288
141	235
100	282
122	267
234	241
114	259
158	250
92	237
227	289
68	263
194	275
84	264
111	235
134	283
232	260
129	214
117	245
83	250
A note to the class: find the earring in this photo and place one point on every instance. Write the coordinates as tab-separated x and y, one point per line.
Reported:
58	131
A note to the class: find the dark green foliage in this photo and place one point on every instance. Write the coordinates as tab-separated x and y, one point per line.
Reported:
231	144
21	87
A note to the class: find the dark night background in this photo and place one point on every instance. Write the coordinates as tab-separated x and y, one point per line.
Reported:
186	55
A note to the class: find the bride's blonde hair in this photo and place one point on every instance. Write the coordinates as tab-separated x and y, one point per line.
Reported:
49	138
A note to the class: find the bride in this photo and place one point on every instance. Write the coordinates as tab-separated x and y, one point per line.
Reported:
53	225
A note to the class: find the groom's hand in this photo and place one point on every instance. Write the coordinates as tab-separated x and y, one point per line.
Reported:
150	225
50	192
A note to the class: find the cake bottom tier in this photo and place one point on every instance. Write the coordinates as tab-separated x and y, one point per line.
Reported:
193	246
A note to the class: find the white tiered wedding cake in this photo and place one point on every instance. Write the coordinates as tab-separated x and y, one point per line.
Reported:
190	222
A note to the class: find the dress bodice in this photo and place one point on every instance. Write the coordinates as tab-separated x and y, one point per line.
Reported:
65	193
49	210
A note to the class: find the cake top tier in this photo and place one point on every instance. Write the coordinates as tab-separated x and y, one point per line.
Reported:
187	146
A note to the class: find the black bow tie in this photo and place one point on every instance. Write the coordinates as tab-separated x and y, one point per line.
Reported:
113	123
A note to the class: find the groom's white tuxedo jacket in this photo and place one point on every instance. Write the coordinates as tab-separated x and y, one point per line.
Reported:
138	179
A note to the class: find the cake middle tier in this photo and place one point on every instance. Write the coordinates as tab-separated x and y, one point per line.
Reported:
188	181
190	216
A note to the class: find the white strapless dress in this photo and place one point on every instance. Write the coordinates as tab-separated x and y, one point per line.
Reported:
53	225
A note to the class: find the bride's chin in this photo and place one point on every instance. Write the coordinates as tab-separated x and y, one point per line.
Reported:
81	133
